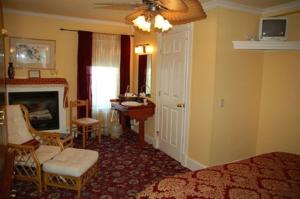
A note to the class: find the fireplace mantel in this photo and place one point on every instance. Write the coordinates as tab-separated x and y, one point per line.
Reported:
44	84
43	81
38	81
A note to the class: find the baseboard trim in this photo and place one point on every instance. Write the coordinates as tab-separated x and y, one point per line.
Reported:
149	139
194	165
190	163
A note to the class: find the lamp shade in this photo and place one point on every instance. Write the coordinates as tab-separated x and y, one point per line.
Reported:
148	49
162	23
139	49
143	49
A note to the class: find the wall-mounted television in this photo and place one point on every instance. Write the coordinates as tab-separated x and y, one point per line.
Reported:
273	28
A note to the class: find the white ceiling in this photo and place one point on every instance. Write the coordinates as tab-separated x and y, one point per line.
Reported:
85	8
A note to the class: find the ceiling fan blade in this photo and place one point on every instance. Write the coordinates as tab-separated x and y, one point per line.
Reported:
116	6
195	12
173	5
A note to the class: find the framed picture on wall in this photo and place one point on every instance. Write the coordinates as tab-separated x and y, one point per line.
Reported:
34	74
32	53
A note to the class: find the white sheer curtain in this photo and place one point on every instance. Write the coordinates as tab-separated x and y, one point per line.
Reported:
105	75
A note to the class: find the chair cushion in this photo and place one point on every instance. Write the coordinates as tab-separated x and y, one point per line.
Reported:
16	126
47	152
35	143
71	162
86	121
43	153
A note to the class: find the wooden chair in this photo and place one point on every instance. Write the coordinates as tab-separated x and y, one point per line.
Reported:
86	124
31	147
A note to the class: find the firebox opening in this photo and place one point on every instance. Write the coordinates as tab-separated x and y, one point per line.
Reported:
42	106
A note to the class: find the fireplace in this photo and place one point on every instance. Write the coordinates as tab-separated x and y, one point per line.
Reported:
42	107
46	99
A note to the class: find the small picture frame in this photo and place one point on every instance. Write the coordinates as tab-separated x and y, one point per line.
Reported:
34	74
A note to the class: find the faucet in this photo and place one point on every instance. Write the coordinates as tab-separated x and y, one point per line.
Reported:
143	87
127	89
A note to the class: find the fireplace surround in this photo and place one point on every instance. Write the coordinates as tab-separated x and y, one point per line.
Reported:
45	99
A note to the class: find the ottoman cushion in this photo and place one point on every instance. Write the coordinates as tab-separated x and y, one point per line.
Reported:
71	162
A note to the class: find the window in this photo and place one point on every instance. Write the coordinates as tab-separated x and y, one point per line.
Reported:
105	75
105	86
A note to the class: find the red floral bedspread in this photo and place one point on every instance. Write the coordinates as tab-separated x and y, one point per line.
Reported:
272	175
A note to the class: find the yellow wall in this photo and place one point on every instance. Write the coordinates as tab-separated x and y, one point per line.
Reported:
202	88
39	27
238	82
221	134
259	89
146	38
279	126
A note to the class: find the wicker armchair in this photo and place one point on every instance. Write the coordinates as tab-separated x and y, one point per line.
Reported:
32	148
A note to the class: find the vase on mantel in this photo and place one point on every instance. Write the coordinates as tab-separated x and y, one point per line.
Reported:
11	71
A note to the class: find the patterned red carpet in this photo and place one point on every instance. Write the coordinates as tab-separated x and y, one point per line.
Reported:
124	170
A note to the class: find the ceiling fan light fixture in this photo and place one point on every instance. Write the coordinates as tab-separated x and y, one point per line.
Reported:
162	23
147	26
159	20
139	20
142	23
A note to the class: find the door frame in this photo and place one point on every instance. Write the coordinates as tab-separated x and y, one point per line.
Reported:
186	115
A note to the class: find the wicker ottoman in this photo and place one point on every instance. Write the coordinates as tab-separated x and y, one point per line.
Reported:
70	169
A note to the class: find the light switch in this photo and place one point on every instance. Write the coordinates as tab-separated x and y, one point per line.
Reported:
222	103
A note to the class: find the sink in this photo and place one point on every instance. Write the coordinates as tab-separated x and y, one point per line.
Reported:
127	98
131	103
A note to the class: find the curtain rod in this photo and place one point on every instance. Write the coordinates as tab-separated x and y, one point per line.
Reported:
64	29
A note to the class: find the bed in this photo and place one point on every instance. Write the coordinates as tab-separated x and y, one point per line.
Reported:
272	175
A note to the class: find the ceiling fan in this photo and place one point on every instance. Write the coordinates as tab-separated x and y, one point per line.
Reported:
163	12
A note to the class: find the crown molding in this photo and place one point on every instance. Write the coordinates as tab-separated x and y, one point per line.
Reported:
66	18
228	4
282	7
236	6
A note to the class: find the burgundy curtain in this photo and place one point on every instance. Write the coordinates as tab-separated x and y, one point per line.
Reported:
142	73
125	63
84	62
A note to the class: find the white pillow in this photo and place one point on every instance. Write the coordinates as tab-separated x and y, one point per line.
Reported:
16	126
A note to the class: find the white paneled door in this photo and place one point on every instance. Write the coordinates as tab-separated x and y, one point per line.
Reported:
172	92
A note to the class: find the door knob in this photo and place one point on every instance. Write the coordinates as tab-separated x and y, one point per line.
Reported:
181	105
